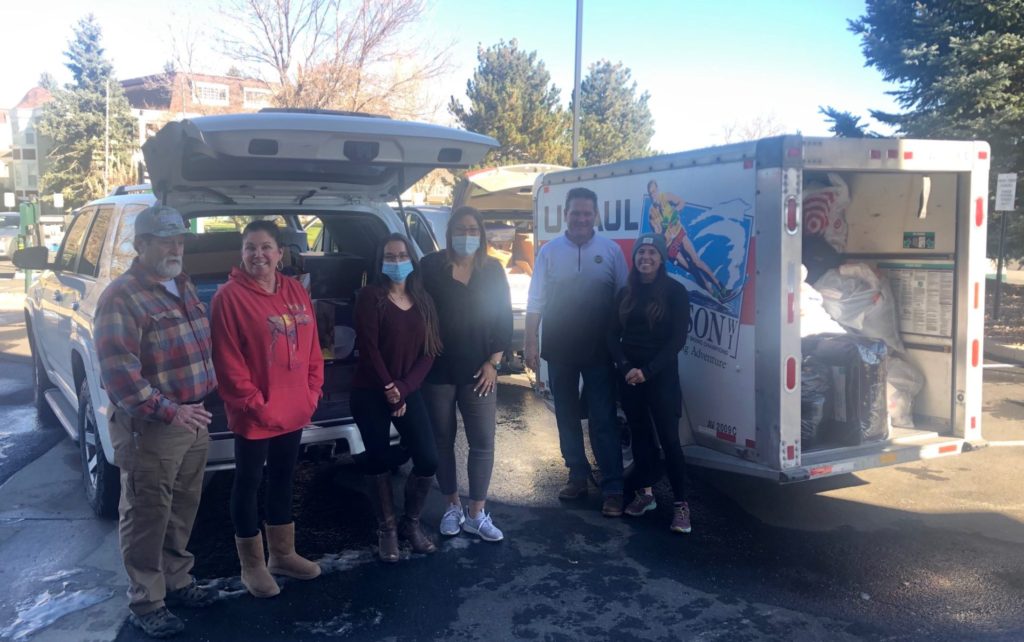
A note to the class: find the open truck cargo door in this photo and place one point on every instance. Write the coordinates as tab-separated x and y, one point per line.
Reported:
909	214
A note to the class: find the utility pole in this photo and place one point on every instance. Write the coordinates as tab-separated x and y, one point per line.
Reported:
576	91
106	144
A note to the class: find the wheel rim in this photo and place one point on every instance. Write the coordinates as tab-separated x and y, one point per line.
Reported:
91	447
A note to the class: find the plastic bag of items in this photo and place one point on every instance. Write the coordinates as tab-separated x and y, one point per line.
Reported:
824	211
857	412
815	400
861	300
813	317
903	382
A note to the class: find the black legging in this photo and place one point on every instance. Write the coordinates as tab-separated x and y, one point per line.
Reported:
657	401
280	454
372	413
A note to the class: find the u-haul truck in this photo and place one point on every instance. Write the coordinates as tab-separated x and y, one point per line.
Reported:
917	212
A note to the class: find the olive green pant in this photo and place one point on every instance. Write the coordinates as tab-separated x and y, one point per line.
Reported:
161	482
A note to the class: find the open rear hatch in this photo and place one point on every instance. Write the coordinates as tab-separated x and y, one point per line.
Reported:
289	157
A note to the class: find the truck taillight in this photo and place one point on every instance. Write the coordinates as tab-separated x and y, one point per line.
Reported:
979	211
792	222
791	374
975	352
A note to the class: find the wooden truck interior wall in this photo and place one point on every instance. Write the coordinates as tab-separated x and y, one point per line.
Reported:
884	206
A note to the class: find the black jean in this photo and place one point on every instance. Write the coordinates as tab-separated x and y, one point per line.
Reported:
280	455
372	413
649	406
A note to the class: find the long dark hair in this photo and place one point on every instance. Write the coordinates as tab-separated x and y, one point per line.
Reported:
481	252
414	288
656	306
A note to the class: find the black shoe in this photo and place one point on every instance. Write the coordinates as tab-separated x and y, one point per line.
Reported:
160	623
192	596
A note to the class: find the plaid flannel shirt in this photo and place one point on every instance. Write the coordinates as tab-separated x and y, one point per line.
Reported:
154	348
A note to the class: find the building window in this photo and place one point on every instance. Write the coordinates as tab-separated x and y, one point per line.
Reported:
28	154
33	181
211	94
30	137
256	98
16	153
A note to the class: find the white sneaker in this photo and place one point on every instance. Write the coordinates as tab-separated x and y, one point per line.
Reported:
484	527
451	522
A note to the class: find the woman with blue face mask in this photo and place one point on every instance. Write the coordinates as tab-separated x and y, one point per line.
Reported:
397	337
471	294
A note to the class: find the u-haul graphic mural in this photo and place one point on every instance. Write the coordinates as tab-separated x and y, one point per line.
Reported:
711	251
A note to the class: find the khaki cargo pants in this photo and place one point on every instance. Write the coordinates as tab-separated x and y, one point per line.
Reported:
161	482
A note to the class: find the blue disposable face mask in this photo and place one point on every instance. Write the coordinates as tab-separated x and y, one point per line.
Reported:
465	245
397	271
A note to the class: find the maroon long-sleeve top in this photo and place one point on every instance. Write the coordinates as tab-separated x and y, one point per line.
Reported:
390	342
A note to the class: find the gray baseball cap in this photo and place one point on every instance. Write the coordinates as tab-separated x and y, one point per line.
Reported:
162	221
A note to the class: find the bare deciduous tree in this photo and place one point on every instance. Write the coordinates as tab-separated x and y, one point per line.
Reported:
753	129
353	55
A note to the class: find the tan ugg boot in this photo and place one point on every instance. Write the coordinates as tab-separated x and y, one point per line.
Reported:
283	558
255	577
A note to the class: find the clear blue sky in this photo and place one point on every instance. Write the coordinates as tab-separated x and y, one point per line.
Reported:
706	64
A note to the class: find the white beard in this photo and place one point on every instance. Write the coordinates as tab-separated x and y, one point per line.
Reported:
168	270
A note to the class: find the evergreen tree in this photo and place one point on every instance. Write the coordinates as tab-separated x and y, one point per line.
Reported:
616	123
960	67
74	124
512	99
845	124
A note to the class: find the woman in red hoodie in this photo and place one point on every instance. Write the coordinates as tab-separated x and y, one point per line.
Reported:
270	369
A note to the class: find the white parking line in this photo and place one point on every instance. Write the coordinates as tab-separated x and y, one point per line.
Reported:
1019	442
1000	365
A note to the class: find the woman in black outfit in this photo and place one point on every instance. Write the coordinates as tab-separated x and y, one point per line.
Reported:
470	291
646	333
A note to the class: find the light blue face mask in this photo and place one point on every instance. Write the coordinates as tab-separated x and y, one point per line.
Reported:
397	271
465	245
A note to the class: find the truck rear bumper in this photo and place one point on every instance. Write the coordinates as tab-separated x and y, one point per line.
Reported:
905	446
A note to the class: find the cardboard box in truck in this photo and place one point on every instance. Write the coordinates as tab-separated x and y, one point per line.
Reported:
912	213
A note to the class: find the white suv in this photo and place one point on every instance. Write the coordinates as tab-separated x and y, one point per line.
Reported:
221	172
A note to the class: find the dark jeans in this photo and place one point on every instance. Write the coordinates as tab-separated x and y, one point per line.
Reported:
604	431
372	413
478	420
649	406
280	455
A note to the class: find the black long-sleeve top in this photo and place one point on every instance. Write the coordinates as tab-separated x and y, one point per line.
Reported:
636	344
475	318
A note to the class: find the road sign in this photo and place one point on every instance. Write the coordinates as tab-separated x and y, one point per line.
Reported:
8	199
1006	192
58	200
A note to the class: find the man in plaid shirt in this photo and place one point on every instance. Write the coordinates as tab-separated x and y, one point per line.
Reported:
153	341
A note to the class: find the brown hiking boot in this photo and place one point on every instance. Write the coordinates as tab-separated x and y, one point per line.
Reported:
612	506
573	489
159	624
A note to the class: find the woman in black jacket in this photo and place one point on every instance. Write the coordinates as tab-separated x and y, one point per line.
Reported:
471	294
647	330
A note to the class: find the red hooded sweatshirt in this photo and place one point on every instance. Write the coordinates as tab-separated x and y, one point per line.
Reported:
267	356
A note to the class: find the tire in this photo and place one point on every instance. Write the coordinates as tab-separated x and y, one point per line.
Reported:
101	480
40	384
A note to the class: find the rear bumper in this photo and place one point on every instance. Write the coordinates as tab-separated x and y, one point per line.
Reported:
222	444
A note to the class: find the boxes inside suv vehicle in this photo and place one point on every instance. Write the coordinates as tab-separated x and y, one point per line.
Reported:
221	172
